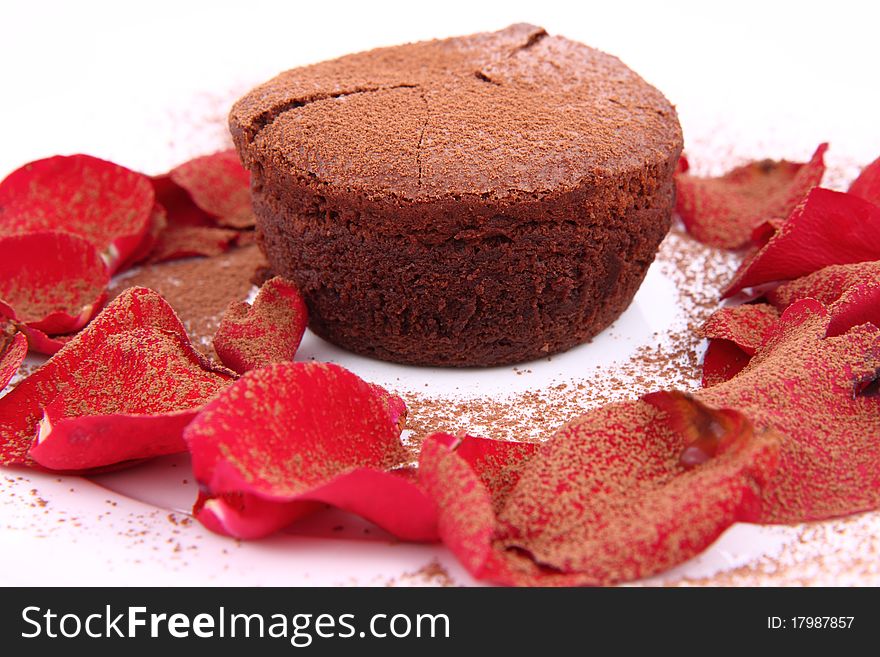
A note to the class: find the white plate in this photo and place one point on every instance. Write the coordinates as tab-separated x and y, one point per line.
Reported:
150	89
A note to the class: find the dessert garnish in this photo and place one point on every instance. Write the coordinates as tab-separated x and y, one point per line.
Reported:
51	283
289	435
105	203
734	333
123	388
219	186
784	429
828	228
723	211
269	331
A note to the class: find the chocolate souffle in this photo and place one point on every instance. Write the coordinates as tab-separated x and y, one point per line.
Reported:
474	201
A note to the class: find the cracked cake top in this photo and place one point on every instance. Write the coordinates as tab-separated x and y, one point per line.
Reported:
501	115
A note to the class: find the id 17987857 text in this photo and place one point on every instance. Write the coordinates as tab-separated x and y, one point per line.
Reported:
810	623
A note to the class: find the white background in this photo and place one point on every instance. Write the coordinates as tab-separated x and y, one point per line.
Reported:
802	71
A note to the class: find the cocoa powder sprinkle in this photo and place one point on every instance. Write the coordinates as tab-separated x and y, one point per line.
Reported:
199	289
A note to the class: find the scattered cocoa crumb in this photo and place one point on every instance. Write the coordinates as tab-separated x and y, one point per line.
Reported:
431	574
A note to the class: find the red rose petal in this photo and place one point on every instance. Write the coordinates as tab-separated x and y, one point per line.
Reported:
295	433
466	517
858	305
765	230
134	308
247	517
610	499
722	361
391	500
13	349
743	325
54	282
220	186
40	343
682	166
181	209
267	332
105	203
191	231
190	241
88	441
64	374
37	340
723	211
803	383
459	474
826	285
830	228
497	463
734	334
867	185
130	398
158	225
284	430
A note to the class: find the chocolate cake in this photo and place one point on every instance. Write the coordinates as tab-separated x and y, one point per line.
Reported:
480	200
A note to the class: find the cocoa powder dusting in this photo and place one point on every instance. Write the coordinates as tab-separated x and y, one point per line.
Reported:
199	289
844	552
121	361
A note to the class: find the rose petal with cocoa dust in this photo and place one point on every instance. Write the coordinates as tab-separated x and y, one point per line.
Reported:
303	432
88	442
269	331
158	225
129	399
829	228
858	305
805	383
724	211
220	186
630	490
37	341
734	334
53	282
41	343
245	516
178	204
682	166
105	203
826	285
469	480
108	369
867	185
765	230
